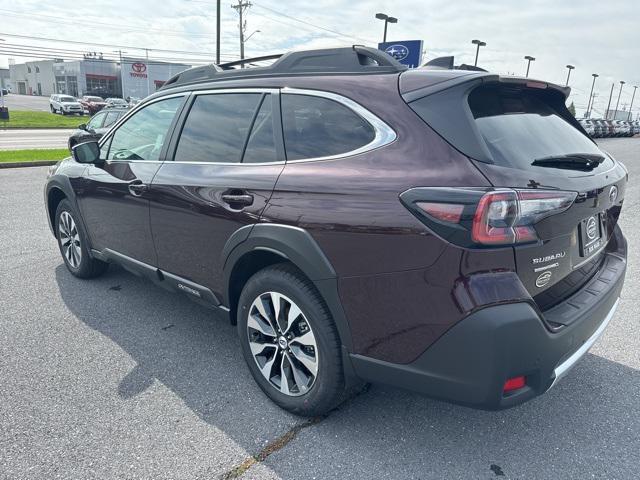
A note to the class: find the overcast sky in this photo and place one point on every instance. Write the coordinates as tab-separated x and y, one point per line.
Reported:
597	36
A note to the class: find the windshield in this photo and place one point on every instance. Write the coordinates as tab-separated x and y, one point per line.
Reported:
67	99
119	101
520	127
95	99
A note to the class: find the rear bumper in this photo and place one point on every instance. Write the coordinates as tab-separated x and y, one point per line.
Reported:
471	362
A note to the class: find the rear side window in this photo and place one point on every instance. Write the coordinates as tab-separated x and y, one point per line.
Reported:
519	127
320	127
217	127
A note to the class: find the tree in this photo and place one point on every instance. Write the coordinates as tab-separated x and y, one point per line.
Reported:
572	109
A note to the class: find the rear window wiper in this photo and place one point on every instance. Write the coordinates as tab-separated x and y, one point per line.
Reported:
576	161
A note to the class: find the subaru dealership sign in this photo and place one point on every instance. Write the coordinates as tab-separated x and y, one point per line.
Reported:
407	52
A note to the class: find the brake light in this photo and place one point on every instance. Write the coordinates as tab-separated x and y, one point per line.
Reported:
507	216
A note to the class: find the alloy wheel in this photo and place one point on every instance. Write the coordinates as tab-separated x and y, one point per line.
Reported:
282	343
69	239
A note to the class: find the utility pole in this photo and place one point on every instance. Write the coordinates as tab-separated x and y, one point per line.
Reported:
622	82
218	32
593	84
609	105
146	50
241	7
635	87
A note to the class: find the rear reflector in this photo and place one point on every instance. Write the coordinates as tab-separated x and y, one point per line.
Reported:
515	383
445	212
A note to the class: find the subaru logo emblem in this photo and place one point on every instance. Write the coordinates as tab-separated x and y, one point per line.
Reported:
613	194
543	279
399	52
592	228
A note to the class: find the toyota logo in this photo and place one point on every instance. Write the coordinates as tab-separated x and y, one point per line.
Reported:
139	67
613	194
399	52
592	228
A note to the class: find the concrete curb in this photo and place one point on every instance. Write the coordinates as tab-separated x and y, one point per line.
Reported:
40	163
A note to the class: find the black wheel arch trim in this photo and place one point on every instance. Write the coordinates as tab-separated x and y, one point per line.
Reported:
296	245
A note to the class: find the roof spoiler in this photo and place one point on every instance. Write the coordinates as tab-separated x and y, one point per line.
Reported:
447	63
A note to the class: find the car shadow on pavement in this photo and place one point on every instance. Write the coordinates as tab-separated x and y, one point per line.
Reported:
567	433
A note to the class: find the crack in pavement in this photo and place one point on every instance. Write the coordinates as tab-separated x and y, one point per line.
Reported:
283	440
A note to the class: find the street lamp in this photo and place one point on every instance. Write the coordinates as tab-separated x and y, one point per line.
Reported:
478	44
635	87
529	59
622	82
589	103
569	67
387	19
251	35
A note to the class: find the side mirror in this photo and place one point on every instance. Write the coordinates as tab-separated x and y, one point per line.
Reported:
88	152
82	126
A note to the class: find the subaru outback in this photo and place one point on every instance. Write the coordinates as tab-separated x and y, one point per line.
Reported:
442	229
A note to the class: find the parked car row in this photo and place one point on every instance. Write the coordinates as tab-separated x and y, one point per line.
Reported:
599	127
89	104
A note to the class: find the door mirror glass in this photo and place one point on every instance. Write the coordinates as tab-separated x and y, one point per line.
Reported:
82	126
88	152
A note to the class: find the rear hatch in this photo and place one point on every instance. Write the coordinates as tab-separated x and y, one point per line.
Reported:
521	136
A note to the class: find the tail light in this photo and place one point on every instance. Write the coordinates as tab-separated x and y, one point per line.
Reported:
508	216
476	217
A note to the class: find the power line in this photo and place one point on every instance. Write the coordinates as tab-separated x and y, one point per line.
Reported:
335	32
110	45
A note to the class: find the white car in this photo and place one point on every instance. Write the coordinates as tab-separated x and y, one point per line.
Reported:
65	104
588	125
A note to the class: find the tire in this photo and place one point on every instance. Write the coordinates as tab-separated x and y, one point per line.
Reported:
52	109
304	394
74	245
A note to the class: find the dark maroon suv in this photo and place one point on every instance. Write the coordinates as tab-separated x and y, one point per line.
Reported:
442	229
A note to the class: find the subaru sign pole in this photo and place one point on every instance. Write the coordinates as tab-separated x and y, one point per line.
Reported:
407	52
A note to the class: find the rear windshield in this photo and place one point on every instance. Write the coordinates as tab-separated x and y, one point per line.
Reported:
519	127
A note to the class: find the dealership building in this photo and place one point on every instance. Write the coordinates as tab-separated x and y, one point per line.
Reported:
92	76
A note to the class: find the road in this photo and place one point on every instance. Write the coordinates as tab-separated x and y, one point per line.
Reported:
16	139
26	102
114	378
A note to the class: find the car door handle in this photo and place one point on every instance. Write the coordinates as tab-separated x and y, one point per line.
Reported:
138	188
241	199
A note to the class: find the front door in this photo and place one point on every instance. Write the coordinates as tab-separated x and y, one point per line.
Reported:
114	198
225	166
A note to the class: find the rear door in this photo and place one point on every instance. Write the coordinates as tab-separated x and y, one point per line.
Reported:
223	165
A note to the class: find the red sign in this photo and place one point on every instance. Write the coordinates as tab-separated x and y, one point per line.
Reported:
138	70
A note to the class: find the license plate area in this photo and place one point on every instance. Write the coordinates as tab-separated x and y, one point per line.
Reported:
590	235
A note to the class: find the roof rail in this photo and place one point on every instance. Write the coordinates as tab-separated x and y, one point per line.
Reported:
356	59
446	63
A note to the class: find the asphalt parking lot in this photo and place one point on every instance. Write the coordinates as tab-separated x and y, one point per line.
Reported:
114	378
26	102
16	139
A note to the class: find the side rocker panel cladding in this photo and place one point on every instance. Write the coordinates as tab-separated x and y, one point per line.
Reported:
299	247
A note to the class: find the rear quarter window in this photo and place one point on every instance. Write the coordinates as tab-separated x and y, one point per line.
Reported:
320	127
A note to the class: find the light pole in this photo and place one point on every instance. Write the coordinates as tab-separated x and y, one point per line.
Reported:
622	82
218	32
609	104
529	59
478	44
387	19
120	52
593	84
569	67
635	87
1	86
